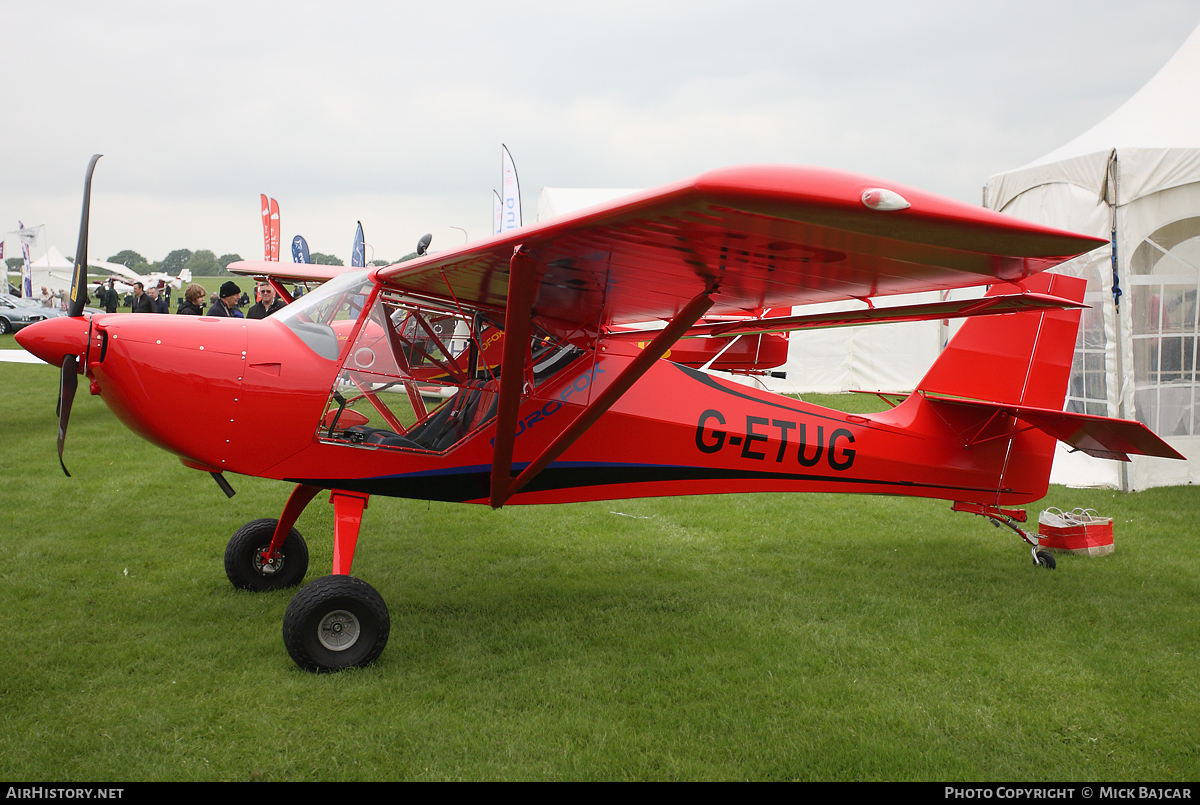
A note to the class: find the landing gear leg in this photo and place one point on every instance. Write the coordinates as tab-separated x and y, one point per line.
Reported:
338	621
270	554
1010	518
347	512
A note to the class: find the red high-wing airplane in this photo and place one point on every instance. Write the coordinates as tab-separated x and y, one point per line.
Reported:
512	370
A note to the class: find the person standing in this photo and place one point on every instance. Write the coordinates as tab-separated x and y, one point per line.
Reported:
142	303
226	302
193	298
158	295
157	303
164	297
267	303
109	299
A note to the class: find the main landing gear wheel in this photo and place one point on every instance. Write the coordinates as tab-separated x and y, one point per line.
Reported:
1045	559
244	564
336	622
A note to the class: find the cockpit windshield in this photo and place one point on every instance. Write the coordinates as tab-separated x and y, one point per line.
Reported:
324	318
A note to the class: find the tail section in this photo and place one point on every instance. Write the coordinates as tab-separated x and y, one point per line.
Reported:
1002	379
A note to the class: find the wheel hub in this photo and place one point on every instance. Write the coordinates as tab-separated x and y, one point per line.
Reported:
267	568
339	630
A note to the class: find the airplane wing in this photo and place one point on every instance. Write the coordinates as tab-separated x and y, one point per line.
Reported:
119	270
290	272
755	237
727	242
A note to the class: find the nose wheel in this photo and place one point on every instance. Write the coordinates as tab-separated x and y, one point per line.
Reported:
336	622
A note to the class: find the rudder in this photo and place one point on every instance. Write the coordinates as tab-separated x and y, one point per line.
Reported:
1014	359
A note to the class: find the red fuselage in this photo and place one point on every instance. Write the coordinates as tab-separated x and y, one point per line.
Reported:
207	388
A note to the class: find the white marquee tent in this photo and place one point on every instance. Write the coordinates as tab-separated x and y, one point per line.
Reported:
1134	178
54	271
51	270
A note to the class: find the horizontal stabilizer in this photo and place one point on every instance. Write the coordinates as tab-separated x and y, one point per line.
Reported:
960	308
1099	436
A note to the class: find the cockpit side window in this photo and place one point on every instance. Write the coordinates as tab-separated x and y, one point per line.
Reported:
423	377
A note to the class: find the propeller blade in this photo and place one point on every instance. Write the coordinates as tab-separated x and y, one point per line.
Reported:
79	277
70	382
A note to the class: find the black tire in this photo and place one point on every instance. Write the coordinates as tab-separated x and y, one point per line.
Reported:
1046	560
336	622
243	558
5	327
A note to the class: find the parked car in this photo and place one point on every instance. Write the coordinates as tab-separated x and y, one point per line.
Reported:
16	313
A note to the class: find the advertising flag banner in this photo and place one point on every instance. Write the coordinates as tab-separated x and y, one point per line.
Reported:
28	236
358	255
299	249
266	222
497	213
274	231
512	194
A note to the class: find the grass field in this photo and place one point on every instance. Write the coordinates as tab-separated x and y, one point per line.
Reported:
739	637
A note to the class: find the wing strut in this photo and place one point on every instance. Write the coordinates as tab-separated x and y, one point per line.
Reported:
518	316
279	289
502	489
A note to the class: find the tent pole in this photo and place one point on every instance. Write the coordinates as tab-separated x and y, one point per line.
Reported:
1114	201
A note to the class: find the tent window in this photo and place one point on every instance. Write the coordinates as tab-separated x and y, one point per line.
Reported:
1165	284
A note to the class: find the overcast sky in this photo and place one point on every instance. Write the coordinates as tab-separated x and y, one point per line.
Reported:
393	113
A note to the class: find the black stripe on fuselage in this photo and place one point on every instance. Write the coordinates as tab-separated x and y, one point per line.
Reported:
458	487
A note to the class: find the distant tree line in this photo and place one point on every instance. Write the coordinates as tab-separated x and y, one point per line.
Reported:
203	263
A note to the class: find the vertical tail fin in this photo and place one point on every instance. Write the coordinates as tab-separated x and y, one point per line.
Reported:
1014	359
1017	358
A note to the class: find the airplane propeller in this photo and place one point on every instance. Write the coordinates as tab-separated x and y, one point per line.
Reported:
79	277
67	387
70	365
